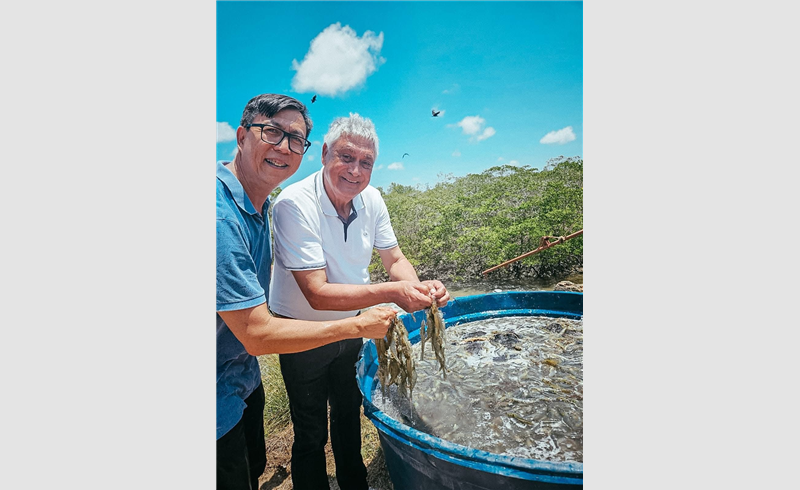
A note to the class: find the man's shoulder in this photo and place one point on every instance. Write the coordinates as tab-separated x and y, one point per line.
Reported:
225	202
299	192
372	192
371	196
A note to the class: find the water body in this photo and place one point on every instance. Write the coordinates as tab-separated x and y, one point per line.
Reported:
514	386
488	285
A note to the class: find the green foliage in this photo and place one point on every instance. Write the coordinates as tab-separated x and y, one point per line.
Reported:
465	225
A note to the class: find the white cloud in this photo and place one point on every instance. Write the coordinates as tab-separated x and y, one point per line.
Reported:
561	136
472	125
314	151
396	166
453	89
487	133
233	153
456	153
225	132
338	61
513	162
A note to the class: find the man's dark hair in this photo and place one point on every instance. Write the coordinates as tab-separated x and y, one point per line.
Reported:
270	104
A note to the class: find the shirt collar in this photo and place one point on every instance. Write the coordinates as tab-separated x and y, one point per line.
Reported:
235	187
325	201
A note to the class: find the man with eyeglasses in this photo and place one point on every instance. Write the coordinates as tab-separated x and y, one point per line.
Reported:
326	227
271	140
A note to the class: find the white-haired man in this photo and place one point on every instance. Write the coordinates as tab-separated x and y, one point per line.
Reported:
325	229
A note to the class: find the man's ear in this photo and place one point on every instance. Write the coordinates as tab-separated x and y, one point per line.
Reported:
240	134
324	152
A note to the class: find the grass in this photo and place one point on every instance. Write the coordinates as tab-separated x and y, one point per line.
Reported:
276	404
370	444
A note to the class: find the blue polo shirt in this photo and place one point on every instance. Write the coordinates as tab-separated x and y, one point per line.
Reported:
243	268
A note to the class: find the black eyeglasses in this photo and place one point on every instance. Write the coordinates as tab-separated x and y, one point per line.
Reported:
274	136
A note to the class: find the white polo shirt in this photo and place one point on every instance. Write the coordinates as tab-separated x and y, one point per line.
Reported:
309	234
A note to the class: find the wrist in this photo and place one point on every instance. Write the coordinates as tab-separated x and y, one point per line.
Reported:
352	327
384	292
397	291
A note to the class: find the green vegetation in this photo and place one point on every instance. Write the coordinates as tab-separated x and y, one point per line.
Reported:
276	404
463	226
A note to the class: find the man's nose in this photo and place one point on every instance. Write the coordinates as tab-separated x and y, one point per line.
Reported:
283	145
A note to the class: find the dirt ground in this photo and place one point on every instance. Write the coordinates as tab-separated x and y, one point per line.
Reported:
277	475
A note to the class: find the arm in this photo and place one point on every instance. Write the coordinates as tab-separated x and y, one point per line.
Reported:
323	295
397	265
405	289
399	268
261	333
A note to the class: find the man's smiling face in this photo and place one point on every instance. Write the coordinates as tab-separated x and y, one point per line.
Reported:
347	168
266	164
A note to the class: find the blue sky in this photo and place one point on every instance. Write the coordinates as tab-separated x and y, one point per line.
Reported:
506	76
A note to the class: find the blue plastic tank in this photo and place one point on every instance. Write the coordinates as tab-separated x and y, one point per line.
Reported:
419	461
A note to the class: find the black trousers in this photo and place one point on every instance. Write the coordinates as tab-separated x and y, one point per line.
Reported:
242	452
313	378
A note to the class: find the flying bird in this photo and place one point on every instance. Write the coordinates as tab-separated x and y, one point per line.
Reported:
435	113
404	155
313	99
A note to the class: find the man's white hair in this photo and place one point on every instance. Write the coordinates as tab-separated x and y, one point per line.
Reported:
354	125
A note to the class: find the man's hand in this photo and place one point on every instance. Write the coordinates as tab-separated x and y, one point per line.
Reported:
375	321
412	295
438	291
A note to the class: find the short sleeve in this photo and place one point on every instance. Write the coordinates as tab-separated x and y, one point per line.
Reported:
298	242
237	279
384	234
